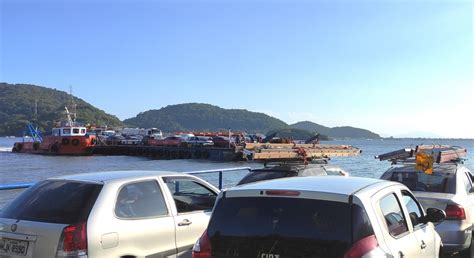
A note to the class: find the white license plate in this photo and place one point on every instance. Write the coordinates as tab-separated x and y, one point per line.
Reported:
11	246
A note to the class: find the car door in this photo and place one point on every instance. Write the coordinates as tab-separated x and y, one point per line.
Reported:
396	234
424	232
142	224
193	202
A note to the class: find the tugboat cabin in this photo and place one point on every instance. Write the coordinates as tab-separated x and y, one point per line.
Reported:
69	131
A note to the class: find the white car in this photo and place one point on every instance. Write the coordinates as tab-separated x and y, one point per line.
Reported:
108	214
449	188
320	216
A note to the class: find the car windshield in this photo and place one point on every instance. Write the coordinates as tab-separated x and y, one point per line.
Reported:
441	181
54	201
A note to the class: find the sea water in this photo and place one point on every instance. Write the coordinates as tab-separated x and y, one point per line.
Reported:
18	167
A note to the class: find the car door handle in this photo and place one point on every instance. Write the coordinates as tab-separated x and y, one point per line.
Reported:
423	245
185	222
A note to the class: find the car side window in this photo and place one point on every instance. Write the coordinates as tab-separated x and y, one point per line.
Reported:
190	195
393	215
140	200
414	210
467	182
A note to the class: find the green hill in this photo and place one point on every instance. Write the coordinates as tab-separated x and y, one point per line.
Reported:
336	132
205	117
17	105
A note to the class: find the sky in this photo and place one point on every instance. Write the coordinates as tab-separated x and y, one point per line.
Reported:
397	68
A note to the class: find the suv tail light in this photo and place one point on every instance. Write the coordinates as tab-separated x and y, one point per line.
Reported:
73	241
202	247
455	212
362	247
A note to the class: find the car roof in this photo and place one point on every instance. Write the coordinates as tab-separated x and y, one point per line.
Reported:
329	184
107	176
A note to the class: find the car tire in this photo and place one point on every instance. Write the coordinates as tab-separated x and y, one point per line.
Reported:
469	252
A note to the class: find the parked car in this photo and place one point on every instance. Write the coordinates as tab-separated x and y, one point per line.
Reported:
171	141
450	188
114	140
291	170
199	141
108	214
320	217
222	142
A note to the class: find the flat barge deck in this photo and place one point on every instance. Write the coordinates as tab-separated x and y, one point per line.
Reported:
161	152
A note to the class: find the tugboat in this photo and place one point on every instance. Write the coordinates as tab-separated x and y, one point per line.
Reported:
67	138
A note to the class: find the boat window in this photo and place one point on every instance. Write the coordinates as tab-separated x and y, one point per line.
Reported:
83	130
75	130
67	131
56	132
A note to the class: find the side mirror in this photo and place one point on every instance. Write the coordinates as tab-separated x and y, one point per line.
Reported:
472	190
434	215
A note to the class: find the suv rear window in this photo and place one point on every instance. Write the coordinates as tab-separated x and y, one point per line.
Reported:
288	227
53	201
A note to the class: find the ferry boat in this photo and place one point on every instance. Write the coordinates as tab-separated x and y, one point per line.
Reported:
67	138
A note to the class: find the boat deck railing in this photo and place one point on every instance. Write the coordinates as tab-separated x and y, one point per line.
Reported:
219	172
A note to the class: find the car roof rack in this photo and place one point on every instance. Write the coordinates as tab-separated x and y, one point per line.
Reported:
440	154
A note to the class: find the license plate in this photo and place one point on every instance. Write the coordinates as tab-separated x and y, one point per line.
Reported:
11	246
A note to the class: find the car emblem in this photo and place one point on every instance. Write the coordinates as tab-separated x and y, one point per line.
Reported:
13	228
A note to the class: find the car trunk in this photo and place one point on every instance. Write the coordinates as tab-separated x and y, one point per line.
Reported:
434	200
29	239
33	223
280	227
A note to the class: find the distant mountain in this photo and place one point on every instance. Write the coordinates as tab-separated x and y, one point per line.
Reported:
205	117
17	105
336	132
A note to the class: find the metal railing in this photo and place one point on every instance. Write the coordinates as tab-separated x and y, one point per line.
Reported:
22	185
220	171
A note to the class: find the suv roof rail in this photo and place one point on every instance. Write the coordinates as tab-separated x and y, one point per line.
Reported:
440	154
294	162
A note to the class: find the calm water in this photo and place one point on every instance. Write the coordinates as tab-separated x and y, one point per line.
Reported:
30	168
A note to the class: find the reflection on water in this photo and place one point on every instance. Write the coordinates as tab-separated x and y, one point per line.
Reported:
30	168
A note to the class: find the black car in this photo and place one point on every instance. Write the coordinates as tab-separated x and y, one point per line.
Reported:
291	170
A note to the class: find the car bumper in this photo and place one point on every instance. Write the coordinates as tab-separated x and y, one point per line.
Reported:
454	237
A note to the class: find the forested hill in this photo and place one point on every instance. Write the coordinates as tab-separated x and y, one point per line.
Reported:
17	105
336	132
196	116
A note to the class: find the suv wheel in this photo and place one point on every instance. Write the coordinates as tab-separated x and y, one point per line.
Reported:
469	252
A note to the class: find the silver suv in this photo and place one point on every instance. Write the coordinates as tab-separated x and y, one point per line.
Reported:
449	188
320	217
108	214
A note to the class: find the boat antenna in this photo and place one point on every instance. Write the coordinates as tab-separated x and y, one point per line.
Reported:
73	105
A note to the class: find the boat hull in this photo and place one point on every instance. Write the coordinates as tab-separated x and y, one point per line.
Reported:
58	145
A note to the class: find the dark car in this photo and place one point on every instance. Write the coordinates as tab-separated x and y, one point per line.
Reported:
199	141
222	142
172	141
291	170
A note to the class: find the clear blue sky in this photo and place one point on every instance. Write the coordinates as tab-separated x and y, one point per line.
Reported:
389	66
